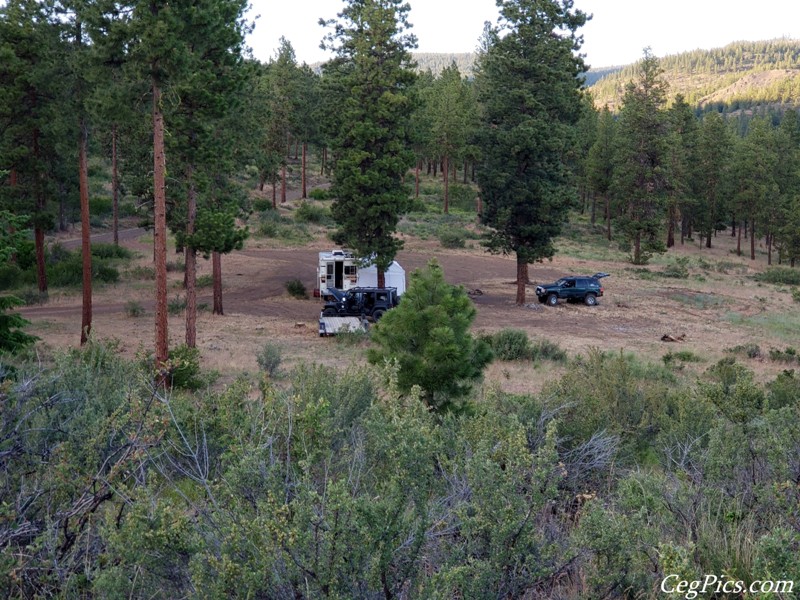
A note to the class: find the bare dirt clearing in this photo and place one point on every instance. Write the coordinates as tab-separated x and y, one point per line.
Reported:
719	306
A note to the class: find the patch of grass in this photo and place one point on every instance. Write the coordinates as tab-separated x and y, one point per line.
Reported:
177	305
785	275
139	272
796	294
352	338
319	194
677	269
451	238
275	226
749	350
681	356
296	289
134	309
784	326
546	350
312	213
698	299
262	205
788	355
204	281
110	251
175	267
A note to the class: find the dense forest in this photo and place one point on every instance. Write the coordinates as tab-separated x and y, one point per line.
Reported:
401	475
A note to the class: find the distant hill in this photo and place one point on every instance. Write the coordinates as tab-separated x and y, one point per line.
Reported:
738	75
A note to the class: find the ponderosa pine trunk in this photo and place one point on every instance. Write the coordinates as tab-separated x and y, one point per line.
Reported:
38	230
86	234
283	183
381	278
216	276
160	236
190	264
416	180
671	226
752	239
114	186
445	172
522	280
739	242
303	170
608	218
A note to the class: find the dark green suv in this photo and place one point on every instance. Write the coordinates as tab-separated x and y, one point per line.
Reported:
580	288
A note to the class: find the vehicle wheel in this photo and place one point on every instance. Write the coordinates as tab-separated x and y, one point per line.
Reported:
329	312
552	299
590	300
377	314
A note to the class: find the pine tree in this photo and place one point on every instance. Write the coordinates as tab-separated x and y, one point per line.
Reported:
529	80
642	166
372	81
600	163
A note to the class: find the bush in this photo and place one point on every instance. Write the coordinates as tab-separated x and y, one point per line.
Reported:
269	358
510	344
784	275
451	238
682	356
748	350
319	194
184	367
547	350
262	205
134	308
296	289
796	294
139	272
69	272
204	281
678	269
110	251
10	276
176	306
310	213
100	206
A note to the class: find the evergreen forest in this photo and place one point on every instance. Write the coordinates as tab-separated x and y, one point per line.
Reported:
424	457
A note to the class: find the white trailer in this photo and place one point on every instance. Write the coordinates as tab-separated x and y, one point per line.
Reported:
339	269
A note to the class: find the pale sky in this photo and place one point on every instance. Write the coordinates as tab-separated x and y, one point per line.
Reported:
618	33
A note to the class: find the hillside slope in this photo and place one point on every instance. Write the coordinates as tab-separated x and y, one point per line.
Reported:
739	74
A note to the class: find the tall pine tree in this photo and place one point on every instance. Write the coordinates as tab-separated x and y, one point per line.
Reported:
529	87
372	81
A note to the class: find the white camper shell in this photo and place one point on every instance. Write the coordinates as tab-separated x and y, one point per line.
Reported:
339	269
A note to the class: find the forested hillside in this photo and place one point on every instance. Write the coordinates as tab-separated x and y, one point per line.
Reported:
739	75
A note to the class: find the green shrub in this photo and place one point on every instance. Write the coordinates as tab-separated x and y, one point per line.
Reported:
547	350
262	205
139	272
788	355
184	367
204	281
175	266
796	294
134	308
351	337
110	251
269	358
451	238
678	269
510	344
784	275
69	272
177	305
682	356
319	194
100	206
296	289
749	350
10	276
311	213
462	197
12	338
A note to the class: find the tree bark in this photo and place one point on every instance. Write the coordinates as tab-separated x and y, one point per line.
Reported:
608	218
274	193
114	186
38	231
752	239
522	280
303	170
445	172
86	234
160	236
216	275
739	242
381	278
416	180
671	226
190	265
283	183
